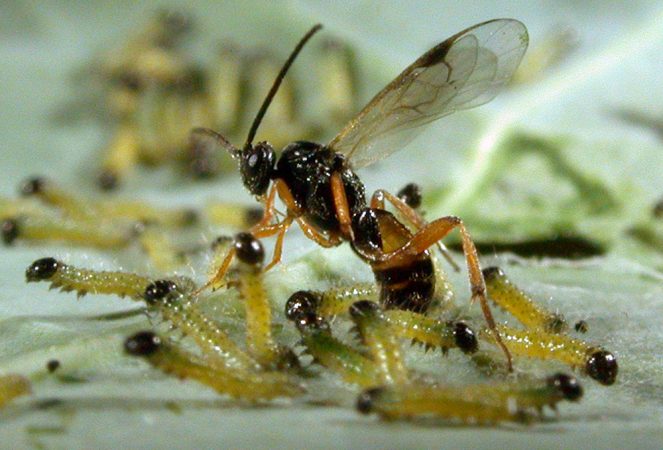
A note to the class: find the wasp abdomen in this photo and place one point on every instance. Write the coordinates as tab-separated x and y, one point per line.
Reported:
409	286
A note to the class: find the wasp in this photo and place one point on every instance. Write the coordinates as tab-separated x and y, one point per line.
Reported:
326	198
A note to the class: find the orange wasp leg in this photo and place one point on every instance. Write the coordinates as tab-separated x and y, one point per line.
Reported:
319	238
341	205
418	222
269	209
429	235
278	247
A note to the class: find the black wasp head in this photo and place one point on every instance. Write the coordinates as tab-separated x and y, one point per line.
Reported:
257	165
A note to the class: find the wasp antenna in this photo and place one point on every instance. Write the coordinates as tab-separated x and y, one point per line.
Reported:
277	83
200	138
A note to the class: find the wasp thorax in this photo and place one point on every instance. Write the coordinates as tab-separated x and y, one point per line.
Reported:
256	166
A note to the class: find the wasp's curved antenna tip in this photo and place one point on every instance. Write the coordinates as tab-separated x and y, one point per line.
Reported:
199	138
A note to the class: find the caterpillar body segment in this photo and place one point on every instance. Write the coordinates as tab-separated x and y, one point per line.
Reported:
342	359
509	297
177	306
430	332
592	360
382	344
85	281
481	403
242	384
259	337
43	228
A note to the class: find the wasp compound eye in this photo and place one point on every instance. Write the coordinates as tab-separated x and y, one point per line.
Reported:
567	385
10	231
158	290
143	343
300	303
365	400
465	338
248	249
32	186
42	269
410	195
256	166
602	366
363	308
310	321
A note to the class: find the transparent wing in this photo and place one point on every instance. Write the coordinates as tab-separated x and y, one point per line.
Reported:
465	71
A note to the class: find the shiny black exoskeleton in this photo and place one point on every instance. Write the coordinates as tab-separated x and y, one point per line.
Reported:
306	168
143	343
409	285
42	269
568	387
248	249
602	366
